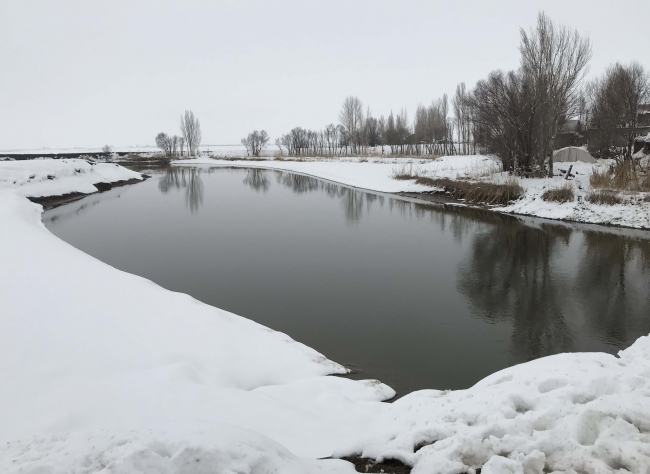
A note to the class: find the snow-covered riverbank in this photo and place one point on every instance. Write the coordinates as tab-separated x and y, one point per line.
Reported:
376	174
102	367
105	370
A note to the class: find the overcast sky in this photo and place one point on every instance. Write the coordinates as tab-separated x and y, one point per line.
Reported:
88	73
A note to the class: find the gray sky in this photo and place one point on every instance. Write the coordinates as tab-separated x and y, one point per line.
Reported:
88	73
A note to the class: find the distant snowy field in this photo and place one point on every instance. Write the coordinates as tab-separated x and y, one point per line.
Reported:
220	150
104	371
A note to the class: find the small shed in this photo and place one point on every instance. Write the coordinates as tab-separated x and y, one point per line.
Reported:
572	153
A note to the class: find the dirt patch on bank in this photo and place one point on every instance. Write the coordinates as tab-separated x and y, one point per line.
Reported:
50	202
389	466
440	197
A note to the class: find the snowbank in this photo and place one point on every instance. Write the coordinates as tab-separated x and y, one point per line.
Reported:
564	413
36	178
376	175
101	367
634	212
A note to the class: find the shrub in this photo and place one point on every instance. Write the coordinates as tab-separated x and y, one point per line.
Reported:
600	178
402	176
562	194
606	197
406	172
487	193
644	185
624	175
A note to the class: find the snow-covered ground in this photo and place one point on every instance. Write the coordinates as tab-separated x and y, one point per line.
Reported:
36	178
376	174
106	371
100	367
575	413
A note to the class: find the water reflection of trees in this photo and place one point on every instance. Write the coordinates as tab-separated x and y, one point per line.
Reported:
298	183
257	179
517	273
510	276
184	178
355	202
614	283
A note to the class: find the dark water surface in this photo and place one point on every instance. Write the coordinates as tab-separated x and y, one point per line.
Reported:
413	295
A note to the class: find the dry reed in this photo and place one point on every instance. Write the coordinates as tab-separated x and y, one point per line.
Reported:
562	194
486	193
604	196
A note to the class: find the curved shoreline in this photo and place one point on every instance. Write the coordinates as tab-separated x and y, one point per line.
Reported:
53	201
186	379
434	198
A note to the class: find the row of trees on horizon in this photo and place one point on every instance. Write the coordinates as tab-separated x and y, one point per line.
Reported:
515	115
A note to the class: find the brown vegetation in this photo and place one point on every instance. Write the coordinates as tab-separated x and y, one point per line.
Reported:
562	194
486	193
604	196
406	172
600	178
623	176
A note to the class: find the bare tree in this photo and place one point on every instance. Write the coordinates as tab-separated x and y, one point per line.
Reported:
505	121
615	100
191	131
555	58
461	105
164	142
351	117
181	144
255	142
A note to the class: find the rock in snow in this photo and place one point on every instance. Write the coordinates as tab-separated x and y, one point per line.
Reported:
106	371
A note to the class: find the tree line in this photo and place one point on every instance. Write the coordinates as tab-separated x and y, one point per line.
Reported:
515	115
431	132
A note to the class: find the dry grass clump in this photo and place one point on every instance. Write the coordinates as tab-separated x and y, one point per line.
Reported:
405	172
600	178
562	194
644	184
486	193
604	196
482	169
622	176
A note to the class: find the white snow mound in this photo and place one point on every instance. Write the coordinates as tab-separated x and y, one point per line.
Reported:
35	178
584	412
